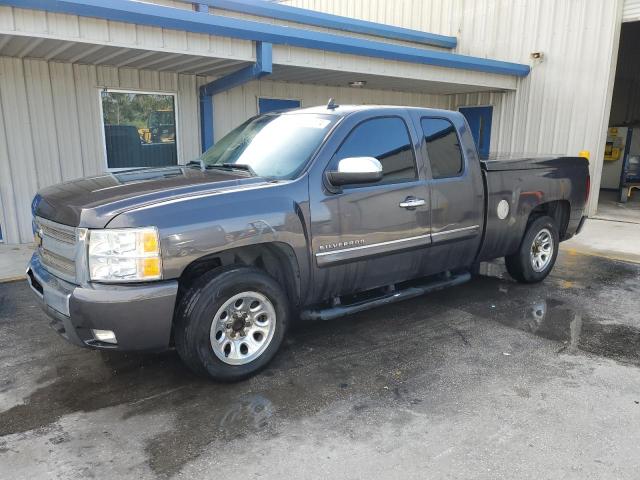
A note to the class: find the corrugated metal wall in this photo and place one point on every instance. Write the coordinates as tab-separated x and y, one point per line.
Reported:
236	105
563	105
119	34
439	16
51	130
631	12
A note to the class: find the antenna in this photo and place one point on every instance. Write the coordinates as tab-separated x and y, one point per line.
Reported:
332	105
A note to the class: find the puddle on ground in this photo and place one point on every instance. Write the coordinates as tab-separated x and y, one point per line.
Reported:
536	309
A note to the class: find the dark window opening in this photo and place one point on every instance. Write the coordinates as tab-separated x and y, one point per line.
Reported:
443	147
266	105
386	139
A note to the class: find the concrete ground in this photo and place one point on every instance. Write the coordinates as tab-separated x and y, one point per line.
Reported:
488	380
609	208
13	261
606	238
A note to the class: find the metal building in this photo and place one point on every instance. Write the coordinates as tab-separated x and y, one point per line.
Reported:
84	83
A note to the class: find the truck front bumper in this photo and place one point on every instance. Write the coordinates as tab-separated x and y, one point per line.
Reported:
140	316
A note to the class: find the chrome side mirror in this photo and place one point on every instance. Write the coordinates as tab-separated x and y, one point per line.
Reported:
355	170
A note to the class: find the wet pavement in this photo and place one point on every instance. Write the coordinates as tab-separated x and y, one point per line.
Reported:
491	379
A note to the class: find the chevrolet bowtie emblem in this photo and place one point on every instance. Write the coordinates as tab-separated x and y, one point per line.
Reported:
37	238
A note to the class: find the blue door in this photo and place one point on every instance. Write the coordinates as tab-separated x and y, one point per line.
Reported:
266	105
479	119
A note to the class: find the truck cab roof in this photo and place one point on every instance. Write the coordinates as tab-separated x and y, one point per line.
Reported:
345	110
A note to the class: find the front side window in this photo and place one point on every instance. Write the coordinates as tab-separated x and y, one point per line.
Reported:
273	145
443	147
139	129
386	139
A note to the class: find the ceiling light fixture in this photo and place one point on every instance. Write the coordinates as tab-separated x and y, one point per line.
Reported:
358	84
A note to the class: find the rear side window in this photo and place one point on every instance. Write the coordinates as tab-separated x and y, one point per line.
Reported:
387	139
443	147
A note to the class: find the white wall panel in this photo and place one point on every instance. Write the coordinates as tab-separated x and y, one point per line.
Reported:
631	12
441	16
235	106
51	130
20	154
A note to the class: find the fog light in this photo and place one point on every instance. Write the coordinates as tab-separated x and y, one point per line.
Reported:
106	336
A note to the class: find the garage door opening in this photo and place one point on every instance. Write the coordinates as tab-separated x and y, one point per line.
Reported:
620	186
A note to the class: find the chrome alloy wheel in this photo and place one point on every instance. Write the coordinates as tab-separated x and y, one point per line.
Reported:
243	328
541	250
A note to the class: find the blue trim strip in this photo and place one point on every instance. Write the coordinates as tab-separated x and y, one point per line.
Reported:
625	158
178	19
309	17
262	67
206	121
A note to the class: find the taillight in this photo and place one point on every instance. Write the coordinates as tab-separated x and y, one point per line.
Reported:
588	188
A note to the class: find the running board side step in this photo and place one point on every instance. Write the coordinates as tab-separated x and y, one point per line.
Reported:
412	291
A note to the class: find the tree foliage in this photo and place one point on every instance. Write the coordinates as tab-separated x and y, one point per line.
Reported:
120	108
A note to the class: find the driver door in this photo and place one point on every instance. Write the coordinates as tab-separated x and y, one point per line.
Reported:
371	235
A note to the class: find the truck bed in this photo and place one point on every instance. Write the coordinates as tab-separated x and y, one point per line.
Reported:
550	178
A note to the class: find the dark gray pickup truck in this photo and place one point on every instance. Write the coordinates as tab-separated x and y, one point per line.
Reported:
307	214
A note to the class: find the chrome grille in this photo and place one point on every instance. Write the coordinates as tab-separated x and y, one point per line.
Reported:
65	236
58	248
58	262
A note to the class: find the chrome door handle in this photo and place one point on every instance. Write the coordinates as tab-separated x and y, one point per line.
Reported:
412	202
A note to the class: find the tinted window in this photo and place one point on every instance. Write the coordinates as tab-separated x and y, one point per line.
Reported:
386	139
442	147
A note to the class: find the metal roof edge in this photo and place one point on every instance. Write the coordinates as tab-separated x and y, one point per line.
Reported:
199	22
304	16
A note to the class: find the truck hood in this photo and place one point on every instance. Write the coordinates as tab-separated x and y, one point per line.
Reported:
93	201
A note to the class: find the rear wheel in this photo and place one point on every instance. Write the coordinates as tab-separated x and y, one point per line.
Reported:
537	253
231	323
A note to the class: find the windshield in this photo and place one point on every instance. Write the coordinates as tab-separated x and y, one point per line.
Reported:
272	145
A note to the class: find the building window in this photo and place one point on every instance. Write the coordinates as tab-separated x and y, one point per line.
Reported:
387	139
443	148
139	129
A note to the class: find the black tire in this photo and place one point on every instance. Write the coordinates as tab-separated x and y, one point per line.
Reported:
520	265
197	309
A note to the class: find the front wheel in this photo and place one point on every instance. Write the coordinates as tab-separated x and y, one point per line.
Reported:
537	253
231	323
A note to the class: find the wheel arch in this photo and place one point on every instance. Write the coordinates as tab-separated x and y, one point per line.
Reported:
277	259
559	210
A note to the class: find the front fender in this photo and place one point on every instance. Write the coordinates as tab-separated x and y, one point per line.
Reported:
193	228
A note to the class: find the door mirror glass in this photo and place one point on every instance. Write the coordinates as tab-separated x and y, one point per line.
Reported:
355	170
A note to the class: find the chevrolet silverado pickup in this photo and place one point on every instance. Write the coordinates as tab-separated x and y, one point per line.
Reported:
306	214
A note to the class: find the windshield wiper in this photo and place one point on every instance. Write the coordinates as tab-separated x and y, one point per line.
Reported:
241	166
232	166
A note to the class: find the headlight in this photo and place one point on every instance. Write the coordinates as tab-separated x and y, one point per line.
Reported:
124	255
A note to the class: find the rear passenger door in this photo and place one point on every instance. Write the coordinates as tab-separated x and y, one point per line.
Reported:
370	235
457	193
